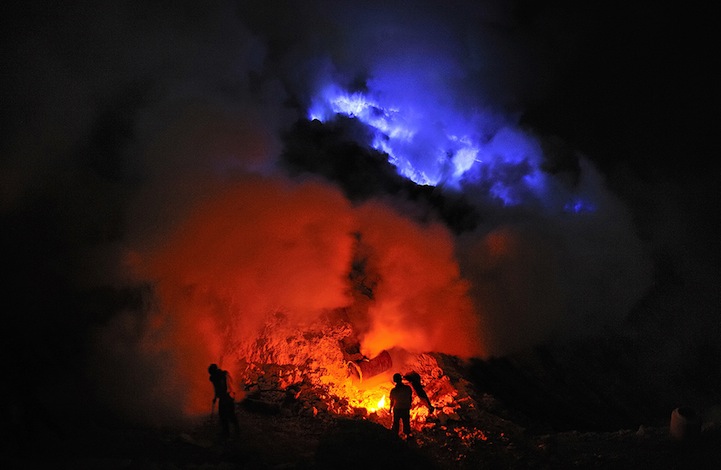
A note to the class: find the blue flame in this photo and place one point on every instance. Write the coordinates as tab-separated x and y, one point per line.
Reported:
577	206
433	144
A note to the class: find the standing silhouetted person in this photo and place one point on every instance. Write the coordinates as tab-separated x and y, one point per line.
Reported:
400	397
226	403
415	379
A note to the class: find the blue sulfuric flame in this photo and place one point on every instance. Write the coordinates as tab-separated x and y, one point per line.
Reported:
431	145
578	206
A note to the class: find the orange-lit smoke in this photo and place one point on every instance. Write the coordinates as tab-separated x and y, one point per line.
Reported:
266	246
257	248
421	302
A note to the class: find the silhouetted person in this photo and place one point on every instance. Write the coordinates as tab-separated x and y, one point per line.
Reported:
415	379
226	403
401	397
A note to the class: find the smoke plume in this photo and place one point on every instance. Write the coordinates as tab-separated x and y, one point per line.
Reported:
178	174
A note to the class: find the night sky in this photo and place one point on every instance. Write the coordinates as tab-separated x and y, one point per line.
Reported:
121	119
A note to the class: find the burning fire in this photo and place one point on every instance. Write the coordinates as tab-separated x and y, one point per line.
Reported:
362	399
381	402
372	408
292	289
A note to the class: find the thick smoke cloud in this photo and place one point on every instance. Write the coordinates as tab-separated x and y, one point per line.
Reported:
258	248
152	224
267	246
420	301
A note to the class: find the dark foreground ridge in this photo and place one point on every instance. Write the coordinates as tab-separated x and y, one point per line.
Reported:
519	420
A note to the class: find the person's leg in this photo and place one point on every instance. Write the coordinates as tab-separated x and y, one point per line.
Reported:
234	421
224	430
396	422
407	423
225	418
233	418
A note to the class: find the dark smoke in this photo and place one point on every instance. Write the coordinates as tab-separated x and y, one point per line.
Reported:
157	159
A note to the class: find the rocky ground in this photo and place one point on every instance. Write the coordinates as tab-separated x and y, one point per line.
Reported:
283	441
484	431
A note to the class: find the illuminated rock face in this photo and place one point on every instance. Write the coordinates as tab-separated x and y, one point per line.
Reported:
307	372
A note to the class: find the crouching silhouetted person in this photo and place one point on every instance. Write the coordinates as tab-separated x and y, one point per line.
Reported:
415	379
400	401
226	403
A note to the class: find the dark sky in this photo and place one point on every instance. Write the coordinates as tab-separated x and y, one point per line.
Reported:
626	82
106	104
638	88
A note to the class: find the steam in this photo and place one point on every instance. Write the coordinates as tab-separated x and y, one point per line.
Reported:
161	163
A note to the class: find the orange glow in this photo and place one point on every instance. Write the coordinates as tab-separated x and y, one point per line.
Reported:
471	435
238	260
252	275
368	399
421	300
378	406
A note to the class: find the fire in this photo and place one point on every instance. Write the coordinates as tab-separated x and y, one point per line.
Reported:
382	402
379	406
365	399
